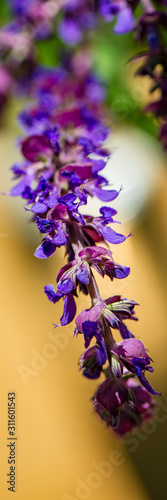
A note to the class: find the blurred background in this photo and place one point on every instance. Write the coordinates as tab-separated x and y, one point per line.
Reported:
62	446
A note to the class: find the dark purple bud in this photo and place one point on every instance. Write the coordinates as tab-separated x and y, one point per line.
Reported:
69	310
45	250
44	225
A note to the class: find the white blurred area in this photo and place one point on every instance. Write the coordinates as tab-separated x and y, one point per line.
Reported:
136	164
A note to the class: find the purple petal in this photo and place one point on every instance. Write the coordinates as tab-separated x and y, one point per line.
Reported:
89	330
145	382
38	208
19	188
132	348
110	235
69	310
94	252
45	250
98	165
51	294
111	318
108	213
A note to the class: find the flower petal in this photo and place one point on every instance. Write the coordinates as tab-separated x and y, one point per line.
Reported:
45	250
51	294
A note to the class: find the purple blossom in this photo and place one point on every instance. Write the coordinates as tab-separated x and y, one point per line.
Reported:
112	311
69	303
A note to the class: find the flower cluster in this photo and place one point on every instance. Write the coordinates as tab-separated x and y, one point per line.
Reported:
64	154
